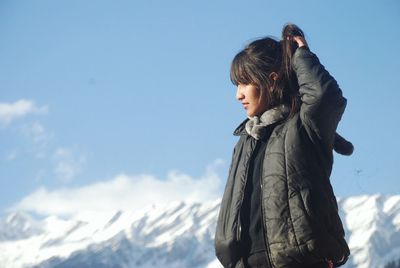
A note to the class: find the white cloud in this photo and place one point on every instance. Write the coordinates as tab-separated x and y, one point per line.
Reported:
34	131
67	164
12	111
124	192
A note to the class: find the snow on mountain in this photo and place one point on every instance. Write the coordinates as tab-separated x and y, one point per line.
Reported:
177	235
18	225
373	229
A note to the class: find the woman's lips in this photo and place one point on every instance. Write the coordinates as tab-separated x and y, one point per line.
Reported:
245	105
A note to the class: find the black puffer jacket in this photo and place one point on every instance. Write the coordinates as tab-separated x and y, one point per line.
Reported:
300	213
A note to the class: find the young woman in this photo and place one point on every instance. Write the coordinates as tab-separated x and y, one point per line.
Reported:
279	209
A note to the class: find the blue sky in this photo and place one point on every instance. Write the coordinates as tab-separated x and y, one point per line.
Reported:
94	90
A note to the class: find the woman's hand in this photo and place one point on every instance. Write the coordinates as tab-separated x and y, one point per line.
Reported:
301	41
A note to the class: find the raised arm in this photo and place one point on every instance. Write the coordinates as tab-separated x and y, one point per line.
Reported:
322	101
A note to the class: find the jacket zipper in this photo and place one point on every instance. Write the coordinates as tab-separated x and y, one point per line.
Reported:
268	253
242	196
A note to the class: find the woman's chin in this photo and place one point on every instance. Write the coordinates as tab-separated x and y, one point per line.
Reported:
250	114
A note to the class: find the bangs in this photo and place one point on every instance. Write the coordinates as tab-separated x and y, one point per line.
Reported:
240	70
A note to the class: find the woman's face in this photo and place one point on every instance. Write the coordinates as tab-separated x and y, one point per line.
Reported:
249	96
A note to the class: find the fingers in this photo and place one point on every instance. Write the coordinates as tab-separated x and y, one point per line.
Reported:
301	42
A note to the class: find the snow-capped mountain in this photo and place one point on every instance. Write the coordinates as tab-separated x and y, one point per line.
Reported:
176	235
372	228
18	226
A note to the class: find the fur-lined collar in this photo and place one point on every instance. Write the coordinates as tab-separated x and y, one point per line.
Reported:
256	126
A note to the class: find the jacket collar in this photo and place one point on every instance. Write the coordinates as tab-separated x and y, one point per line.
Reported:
241	129
269	117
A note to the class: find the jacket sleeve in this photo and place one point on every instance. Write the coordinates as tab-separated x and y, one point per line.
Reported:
322	101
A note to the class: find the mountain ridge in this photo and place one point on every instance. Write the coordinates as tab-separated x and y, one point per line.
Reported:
176	235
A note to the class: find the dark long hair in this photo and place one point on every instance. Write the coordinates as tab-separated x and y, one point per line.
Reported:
255	63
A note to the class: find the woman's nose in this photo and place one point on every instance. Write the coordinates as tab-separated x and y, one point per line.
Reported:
239	93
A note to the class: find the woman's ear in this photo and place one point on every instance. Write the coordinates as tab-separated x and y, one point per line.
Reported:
273	76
